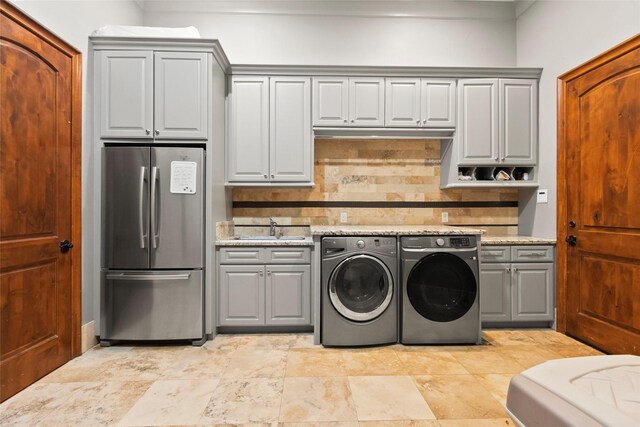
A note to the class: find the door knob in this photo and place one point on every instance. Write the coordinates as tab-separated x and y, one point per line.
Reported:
571	240
65	245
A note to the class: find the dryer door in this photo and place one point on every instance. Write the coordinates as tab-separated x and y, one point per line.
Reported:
361	287
442	287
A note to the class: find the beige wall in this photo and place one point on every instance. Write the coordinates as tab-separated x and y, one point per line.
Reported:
393	171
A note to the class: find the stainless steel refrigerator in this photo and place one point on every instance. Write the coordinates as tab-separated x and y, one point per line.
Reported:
152	278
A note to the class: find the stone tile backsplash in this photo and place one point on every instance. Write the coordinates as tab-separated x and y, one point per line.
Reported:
378	182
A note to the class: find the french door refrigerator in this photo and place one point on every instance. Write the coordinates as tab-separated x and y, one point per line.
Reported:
152	277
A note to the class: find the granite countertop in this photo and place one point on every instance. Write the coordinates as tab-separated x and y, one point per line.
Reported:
389	230
516	240
308	241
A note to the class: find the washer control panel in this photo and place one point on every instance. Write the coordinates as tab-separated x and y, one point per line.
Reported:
437	242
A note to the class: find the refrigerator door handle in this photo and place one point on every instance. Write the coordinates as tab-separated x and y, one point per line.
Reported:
155	277
143	235
154	208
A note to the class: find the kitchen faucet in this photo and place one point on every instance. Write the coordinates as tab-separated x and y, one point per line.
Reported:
272	227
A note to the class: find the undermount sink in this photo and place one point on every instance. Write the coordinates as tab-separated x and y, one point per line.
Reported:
270	238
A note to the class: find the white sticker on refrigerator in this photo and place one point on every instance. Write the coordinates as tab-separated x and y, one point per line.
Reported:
183	177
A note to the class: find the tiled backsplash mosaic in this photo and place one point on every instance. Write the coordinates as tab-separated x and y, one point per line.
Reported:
378	182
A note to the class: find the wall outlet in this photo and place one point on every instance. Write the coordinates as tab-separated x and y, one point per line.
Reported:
445	216
542	196
344	218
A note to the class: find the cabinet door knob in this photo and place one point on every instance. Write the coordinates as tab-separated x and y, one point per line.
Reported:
502	159
345	120
147	131
424	122
418	121
495	158
265	176
157	132
273	176
261	273
268	273
352	120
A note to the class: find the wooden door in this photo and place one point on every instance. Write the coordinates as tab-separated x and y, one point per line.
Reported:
39	201
599	200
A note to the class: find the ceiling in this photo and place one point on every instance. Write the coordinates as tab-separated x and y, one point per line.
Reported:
438	9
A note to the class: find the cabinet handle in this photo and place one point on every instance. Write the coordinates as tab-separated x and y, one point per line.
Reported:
533	254
147	131
157	132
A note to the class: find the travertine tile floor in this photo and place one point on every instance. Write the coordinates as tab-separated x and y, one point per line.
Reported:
285	379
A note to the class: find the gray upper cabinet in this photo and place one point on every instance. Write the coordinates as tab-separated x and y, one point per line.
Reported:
290	129
269	131
498	121
126	87
330	101
402	105
248	141
438	103
353	101
180	95
519	121
366	101
154	95
419	103
478	127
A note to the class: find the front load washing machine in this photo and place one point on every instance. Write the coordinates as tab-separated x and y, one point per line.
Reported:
359	291
440	290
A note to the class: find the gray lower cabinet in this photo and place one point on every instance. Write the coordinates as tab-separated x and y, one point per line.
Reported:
521	291
264	287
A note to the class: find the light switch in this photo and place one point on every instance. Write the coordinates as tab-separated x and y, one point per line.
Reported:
542	196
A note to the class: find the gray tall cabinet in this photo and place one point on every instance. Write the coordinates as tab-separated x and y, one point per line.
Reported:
161	91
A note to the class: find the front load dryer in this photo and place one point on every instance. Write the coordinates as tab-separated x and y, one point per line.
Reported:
359	291
440	290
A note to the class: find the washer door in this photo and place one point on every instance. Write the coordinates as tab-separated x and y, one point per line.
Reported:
441	287
361	287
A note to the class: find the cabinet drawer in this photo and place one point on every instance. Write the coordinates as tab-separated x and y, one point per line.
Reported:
532	253
288	256
242	255
495	254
